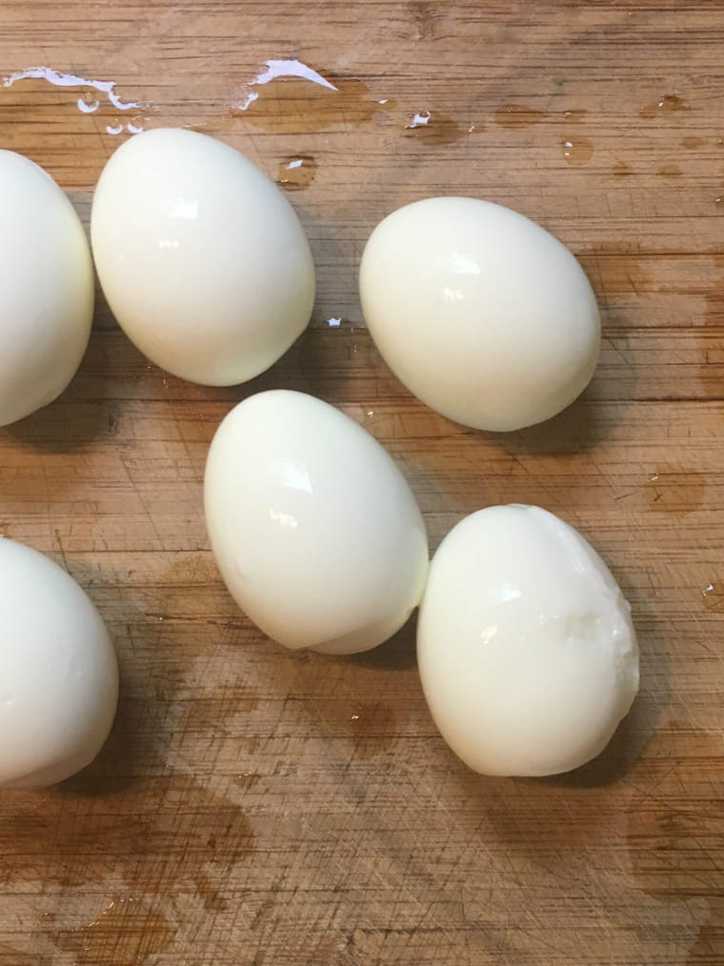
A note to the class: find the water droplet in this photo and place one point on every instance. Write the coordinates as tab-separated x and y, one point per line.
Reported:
296	173
717	201
579	151
355	717
668	104
114	129
88	104
654	478
419	120
248	100
712	598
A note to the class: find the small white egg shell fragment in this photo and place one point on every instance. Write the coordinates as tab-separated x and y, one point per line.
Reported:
46	289
315	530
201	257
58	672
480	312
526	649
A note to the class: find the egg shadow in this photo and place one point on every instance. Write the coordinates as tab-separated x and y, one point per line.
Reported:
398	653
139	739
68	424
525	813
337	364
572	431
141	734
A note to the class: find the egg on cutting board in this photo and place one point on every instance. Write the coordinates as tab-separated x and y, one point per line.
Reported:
58	672
46	289
202	259
315	530
526	649
480	312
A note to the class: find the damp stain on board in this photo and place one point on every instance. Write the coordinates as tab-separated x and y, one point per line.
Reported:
432	127
289	97
123	925
668	104
127	835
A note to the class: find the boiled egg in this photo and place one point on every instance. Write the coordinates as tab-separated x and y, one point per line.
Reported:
480	312
201	257
526	648
58	672
314	528
46	289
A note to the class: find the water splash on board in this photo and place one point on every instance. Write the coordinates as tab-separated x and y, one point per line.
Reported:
59	79
276	69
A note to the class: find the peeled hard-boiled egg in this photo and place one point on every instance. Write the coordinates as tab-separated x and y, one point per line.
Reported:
480	312
526	649
46	289
201	257
315	530
58	672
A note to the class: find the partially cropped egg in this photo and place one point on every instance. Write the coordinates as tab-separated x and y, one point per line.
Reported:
480	312
202	259
314	528
58	672
526	649
46	289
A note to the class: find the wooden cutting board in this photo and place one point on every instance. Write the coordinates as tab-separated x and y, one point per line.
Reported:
258	807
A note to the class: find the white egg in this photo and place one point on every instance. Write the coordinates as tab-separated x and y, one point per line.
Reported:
315	530
58	672
201	257
46	289
526	649
480	312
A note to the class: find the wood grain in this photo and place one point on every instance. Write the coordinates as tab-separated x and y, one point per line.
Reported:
259	807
